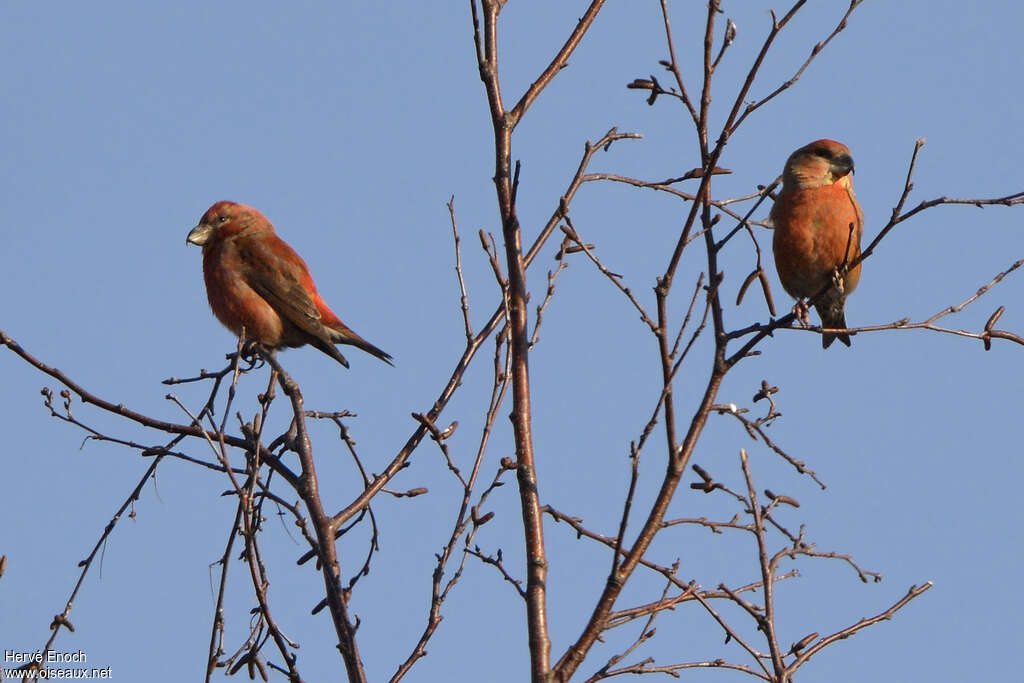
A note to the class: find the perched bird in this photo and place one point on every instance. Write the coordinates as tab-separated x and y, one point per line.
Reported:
258	286
818	225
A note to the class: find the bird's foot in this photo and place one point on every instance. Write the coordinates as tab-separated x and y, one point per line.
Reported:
802	312
838	280
250	350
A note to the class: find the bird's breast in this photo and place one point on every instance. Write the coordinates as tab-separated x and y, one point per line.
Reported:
237	305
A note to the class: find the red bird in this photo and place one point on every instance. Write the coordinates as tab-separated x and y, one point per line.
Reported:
818	225
258	286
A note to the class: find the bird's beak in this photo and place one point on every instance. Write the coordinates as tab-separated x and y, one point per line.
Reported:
842	165
200	234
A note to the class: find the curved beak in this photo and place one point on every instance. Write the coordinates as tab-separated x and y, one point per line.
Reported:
199	235
842	165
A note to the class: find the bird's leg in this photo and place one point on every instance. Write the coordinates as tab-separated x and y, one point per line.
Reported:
838	280
802	312
249	350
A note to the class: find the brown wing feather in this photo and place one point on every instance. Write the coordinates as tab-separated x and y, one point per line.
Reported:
275	271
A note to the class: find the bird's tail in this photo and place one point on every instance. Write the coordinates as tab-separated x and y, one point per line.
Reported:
361	343
833	316
349	337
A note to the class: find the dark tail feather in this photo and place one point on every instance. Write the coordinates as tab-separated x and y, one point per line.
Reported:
341	334
827	338
835	319
330	349
361	343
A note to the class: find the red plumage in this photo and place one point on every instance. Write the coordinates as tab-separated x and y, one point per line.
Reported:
818	225
258	284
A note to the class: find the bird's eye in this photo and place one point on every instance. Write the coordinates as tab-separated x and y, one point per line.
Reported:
222	219
823	153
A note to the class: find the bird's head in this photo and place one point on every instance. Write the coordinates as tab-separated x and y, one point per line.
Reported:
823	162
227	219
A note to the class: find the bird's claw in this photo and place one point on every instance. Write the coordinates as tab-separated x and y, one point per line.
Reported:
802	312
838	281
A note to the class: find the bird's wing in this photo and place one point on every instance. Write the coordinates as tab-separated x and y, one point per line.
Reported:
277	274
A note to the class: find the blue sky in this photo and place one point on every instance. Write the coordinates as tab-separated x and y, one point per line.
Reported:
350	125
